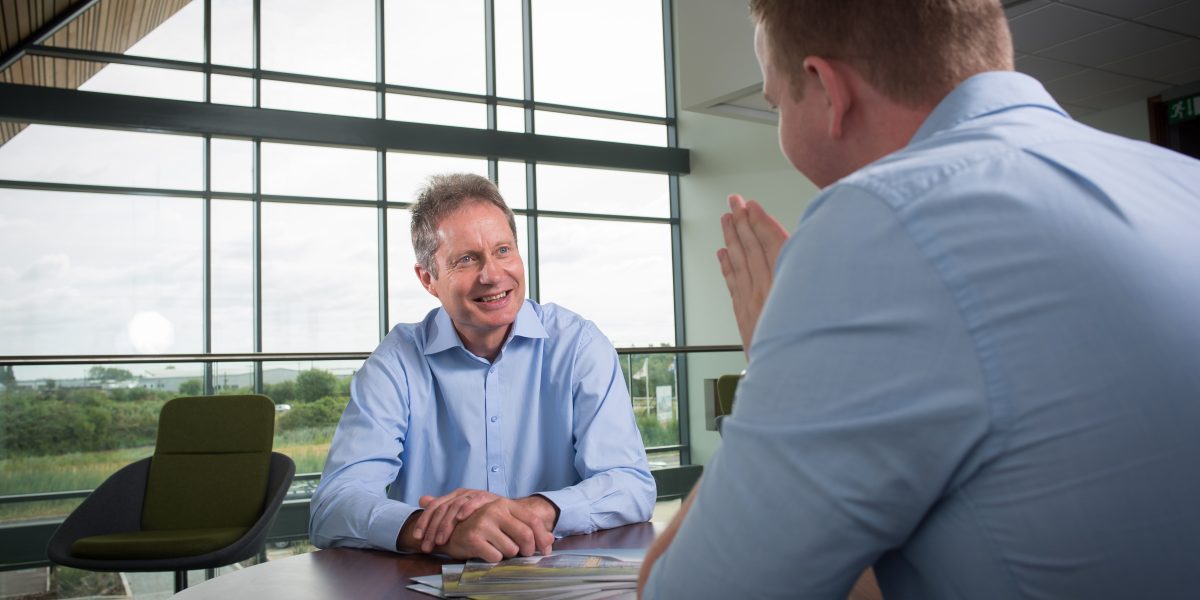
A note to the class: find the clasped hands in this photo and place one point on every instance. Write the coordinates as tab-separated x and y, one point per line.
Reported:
479	524
753	240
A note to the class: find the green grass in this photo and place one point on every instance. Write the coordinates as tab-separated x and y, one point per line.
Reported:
86	470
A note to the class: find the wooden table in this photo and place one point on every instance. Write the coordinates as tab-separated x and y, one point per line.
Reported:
368	574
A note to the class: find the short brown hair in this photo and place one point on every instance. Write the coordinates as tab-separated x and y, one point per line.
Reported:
913	51
441	196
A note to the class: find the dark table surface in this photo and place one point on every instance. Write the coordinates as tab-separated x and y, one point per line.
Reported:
368	574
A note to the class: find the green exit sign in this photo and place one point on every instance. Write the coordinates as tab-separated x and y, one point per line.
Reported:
1183	109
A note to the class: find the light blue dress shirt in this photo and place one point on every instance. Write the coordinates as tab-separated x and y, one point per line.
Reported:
978	371
551	415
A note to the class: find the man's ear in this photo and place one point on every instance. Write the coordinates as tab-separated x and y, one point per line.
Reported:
426	278
832	82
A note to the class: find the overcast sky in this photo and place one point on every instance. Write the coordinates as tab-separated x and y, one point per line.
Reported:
101	274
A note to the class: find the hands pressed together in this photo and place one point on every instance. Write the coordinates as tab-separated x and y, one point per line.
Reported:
753	240
479	524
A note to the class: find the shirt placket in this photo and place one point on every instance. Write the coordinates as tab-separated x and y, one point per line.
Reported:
497	482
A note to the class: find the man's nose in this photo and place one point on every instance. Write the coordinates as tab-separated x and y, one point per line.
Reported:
489	272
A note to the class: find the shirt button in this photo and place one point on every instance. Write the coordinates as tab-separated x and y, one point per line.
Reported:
495	469
494	419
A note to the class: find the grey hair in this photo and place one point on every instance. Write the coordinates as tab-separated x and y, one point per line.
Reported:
441	196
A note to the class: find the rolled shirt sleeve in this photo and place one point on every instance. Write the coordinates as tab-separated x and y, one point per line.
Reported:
351	506
617	487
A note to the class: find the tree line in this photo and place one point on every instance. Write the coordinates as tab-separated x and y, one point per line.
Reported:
58	420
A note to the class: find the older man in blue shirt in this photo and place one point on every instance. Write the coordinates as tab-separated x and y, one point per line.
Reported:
977	368
493	425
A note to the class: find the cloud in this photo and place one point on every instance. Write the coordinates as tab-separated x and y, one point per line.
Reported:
47	267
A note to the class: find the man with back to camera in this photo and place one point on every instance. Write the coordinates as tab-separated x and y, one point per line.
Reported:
978	366
493	425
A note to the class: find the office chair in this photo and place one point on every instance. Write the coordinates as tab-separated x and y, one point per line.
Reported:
726	389
204	500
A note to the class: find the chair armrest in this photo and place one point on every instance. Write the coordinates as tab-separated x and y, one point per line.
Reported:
113	507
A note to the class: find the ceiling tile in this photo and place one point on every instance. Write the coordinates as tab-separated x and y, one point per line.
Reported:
1114	43
1076	111
1045	69
1184	77
1183	18
1087	84
1126	9
1121	97
1012	9
1159	64
1054	24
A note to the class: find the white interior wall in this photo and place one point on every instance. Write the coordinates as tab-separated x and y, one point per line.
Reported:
1131	121
728	156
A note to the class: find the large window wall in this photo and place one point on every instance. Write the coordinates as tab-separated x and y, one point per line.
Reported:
219	206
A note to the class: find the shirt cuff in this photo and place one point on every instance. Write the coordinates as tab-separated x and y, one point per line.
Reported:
386	524
574	512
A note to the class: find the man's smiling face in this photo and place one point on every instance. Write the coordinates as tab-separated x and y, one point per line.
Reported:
480	278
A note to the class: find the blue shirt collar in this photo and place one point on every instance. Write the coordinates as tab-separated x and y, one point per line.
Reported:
441	334
984	94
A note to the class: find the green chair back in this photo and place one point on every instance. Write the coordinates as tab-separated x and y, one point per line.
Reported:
210	463
726	389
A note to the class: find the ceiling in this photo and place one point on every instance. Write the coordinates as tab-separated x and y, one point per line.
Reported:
1092	55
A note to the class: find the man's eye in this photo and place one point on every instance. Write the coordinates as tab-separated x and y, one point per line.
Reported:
504	250
465	260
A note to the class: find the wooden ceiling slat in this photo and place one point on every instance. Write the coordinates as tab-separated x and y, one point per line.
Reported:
108	26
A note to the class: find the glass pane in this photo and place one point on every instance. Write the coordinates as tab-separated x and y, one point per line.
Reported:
317	37
510	118
232	276
510	59
605	130
233	32
103	157
436	111
172	30
319	278
309	399
297	170
317	98
522	245
512	183
407	173
179	37
147	81
98	274
577	189
617	274
606	55
454	27
233	378
408	301
107	78
232	165
227	89
654	391
69	427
